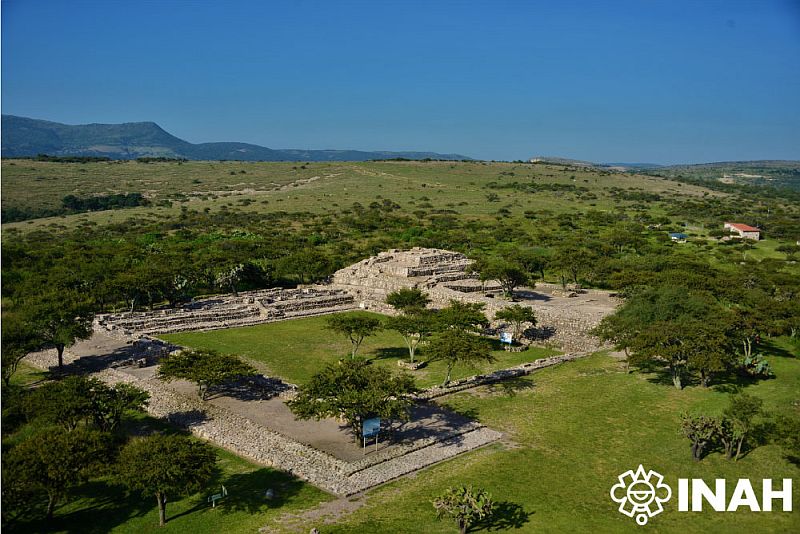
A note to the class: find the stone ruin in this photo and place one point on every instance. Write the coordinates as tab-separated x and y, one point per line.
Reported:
227	311
442	274
445	275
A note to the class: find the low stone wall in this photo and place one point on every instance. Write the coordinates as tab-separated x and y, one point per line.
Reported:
497	376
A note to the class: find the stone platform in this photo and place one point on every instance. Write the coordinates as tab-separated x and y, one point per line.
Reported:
229	311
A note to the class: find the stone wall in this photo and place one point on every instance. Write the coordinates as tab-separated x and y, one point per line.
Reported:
227	311
496	376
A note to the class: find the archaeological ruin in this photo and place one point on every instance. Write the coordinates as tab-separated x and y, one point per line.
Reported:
261	427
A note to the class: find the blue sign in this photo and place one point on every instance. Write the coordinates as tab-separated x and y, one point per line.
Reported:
371	428
506	337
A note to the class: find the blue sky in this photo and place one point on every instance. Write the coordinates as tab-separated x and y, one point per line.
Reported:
640	80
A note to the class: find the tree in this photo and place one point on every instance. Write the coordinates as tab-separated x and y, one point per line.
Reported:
532	260
458	347
76	399
570	261
413	327
19	338
355	390
465	316
509	275
741	413
60	319
229	277
355	327
669	326
517	315
53	461
162	465
306	265
66	402
109	404
706	344
206	368
465	505
701	431
408	300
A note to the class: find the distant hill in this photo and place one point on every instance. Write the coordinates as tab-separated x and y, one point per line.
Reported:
30	137
581	163
562	161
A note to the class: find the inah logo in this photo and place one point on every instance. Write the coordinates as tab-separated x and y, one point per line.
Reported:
641	494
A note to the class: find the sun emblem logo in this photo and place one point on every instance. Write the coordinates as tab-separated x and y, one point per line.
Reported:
641	494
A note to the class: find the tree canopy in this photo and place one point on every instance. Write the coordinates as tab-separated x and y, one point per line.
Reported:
355	327
161	465
517	315
414	328
206	368
465	316
355	390
408	300
458	347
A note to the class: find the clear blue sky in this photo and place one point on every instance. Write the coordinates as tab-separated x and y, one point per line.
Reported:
641	80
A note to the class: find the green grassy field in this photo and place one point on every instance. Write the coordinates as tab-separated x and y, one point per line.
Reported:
295	350
570	431
315	187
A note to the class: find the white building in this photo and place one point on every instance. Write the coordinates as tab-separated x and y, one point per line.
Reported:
744	231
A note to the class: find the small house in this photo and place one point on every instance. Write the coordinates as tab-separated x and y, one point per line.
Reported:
678	237
744	231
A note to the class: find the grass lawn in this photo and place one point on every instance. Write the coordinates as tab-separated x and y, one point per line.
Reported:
573	429
296	349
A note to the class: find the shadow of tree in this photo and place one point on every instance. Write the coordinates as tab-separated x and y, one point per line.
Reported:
108	506
505	516
188	418
510	387
247	492
390	353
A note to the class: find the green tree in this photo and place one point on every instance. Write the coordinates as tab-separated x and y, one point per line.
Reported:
408	300
701	431
229	277
206	368
355	327
60	318
355	390
508	274
109	404
464	505
414	328
457	347
741	415
162	465
517	315
18	339
465	316
53	461
66	402
570	261
669	326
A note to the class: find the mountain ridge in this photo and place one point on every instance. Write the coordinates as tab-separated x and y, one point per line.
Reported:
23	137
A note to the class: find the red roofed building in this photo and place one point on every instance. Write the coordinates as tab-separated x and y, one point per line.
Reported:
744	231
